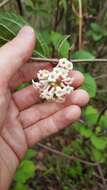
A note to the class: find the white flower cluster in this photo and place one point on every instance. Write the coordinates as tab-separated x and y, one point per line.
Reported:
56	84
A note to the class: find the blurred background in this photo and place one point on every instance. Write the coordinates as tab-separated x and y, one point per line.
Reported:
76	158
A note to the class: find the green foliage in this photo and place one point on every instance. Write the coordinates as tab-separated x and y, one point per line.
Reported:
91	115
10	24
83	130
90	85
96	32
60	43
26	171
100	143
83	54
20	186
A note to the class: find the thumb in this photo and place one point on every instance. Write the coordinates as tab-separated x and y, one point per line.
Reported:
16	52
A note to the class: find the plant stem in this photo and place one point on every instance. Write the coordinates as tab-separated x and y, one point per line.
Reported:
3	3
55	61
66	156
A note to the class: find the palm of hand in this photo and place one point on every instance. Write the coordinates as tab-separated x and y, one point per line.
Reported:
28	121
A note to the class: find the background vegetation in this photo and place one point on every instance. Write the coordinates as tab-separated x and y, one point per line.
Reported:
76	158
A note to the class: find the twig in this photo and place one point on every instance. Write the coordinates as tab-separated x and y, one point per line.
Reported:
66	156
102	176
99	177
101	76
3	3
80	16
56	16
80	23
55	61
102	91
19	3
100	116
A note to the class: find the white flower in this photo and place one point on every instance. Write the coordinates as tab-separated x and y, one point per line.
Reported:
56	84
43	74
59	92
36	84
68	89
52	77
65	64
68	80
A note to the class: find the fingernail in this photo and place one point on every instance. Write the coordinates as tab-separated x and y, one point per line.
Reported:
26	31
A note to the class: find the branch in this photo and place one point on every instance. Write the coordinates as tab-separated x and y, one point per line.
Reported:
101	77
56	16
102	176
19	3
80	23
55	61
3	3
66	156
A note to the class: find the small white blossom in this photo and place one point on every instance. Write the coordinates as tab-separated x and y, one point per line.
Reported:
68	80
65	64
43	74
56	84
52	77
68	89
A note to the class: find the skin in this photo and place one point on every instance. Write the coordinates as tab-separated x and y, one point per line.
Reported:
24	119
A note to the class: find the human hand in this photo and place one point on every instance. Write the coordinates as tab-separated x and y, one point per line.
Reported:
24	120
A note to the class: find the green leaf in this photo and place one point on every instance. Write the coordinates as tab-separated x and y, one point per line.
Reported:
60	43
91	115
64	47
90	85
96	28
25	171
30	154
20	186
103	121
83	54
97	155
99	143
10	24
42	46
83	130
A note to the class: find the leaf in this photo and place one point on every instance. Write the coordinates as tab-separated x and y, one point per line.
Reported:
83	54
25	171
30	154
96	28
60	43
99	143
42	46
64	47
90	85
97	155
103	121
83	130
10	24
20	186
91	115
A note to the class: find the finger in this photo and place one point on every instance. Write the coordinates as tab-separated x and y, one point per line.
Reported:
24	99
78	78
41	111
51	125
16	52
26	73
